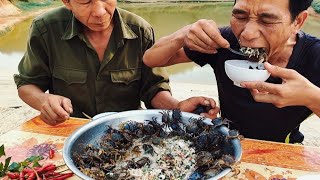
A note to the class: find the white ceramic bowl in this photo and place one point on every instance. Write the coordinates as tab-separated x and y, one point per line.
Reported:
241	70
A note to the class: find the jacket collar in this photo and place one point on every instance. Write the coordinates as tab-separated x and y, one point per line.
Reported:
75	27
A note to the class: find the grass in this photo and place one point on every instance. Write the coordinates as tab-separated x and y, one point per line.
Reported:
29	6
316	5
172	7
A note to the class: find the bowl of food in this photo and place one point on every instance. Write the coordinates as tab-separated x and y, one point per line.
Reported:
243	70
152	144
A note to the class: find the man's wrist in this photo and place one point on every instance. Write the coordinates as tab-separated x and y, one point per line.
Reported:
164	100
313	99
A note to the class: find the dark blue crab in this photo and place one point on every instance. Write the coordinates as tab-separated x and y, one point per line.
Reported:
174	122
220	121
133	128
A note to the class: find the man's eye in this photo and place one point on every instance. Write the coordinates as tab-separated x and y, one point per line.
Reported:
269	21
240	17
83	1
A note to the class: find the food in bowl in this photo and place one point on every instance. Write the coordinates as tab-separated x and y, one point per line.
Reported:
159	148
243	70
255	54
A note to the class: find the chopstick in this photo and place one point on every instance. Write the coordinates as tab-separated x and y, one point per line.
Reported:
87	116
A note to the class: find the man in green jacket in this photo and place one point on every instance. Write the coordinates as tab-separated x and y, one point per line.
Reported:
88	54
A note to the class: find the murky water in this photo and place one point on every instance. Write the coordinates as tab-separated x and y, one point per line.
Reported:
165	18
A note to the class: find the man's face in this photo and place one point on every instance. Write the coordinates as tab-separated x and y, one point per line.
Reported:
263	24
94	14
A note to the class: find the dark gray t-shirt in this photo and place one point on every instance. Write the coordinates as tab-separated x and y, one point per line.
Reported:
261	120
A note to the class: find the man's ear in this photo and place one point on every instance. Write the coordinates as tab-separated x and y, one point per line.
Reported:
300	19
67	4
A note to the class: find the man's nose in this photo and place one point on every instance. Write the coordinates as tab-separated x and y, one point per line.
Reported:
251	31
98	9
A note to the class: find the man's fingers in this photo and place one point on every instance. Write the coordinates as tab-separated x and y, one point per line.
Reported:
198	45
202	50
210	116
67	106
51	115
62	107
57	112
45	118
200	38
213	33
204	36
204	101
211	102
266	98
217	38
192	104
262	86
214	111
280	72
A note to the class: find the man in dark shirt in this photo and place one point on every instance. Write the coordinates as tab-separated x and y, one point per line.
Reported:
88	54
262	110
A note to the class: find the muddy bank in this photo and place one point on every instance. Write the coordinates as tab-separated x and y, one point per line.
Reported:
8	9
7	23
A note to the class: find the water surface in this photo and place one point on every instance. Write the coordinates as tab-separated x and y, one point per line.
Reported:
165	18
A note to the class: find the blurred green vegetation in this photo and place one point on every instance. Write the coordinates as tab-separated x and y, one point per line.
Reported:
203	7
28	5
316	5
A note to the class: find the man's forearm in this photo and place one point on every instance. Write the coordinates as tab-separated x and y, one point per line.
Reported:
164	100
32	95
166	50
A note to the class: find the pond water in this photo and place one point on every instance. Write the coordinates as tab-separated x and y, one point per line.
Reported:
165	18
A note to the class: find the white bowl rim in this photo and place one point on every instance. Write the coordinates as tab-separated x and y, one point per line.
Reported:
237	67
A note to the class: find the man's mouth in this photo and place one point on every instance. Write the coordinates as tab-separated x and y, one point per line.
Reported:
99	23
256	54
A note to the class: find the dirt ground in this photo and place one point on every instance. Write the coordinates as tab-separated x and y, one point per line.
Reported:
11	15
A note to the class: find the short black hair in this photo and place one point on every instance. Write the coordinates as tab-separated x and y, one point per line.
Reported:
296	7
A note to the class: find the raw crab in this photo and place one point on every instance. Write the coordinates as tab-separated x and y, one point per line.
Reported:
255	54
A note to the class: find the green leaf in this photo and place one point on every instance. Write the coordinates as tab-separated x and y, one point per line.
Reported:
36	164
33	158
24	163
29	159
2	153
7	163
14	167
1	170
21	168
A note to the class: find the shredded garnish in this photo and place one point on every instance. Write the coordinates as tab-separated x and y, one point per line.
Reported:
173	159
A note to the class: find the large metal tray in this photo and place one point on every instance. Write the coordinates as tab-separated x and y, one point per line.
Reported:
91	132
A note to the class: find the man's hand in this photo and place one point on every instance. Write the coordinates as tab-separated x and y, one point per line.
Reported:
55	109
191	104
204	36
294	90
